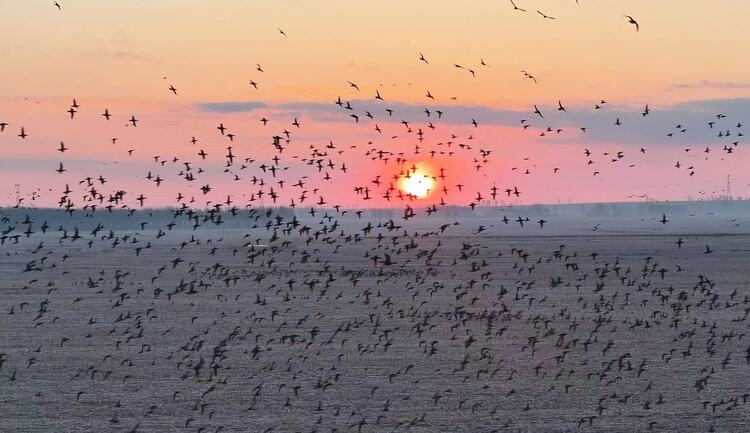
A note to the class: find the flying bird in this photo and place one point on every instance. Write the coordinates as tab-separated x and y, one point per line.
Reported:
545	16
516	8
632	21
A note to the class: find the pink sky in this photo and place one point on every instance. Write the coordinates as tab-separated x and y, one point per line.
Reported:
124	56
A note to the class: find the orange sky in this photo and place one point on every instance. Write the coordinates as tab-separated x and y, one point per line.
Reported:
121	50
124	55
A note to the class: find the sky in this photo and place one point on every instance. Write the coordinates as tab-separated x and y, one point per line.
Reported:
686	63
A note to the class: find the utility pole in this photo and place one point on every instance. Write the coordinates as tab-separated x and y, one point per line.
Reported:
729	188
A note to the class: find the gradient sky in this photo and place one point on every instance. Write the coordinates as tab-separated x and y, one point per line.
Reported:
687	63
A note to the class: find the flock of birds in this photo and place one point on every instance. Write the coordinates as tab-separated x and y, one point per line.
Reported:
631	20
285	310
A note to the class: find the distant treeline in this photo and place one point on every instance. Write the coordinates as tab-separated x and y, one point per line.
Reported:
638	209
124	219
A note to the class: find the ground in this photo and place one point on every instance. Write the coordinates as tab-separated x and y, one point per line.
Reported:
461	332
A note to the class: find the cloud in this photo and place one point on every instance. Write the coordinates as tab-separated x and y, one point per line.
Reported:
130	55
727	106
692	116
705	84
119	55
231	106
330	112
635	128
453	114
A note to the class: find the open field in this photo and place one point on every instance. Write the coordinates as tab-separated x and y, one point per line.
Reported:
457	332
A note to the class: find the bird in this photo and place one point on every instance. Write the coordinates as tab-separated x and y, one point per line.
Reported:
545	16
529	76
632	21
516	8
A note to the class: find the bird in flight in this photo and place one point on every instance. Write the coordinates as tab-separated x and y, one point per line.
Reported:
529	76
516	8
544	15
632	21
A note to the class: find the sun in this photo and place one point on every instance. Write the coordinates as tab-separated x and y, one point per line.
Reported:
417	183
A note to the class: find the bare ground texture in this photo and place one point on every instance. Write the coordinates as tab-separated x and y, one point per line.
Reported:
457	328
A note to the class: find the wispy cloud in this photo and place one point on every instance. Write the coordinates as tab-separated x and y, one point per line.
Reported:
231	106
599	123
727	106
706	84
330	112
130	55
120	55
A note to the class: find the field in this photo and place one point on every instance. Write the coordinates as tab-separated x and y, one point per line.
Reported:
465	330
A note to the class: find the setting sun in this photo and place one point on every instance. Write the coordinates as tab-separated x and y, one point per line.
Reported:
417	182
